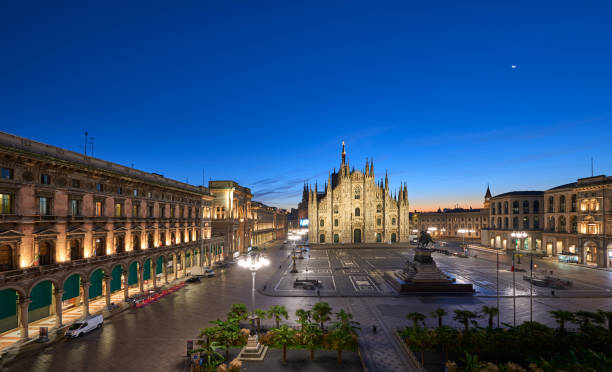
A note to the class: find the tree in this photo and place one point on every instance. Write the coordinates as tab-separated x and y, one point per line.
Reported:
238	311
303	317
228	333
312	337
213	358
439	313
284	336
321	312
276	312
340	338
584	318
261	314
561	317
464	317
608	316
491	312
416	317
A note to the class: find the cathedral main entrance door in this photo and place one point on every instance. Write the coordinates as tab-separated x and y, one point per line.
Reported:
357	236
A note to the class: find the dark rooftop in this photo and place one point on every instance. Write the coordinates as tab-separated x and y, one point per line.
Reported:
521	193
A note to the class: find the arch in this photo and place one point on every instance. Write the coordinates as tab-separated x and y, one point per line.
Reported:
393	237
41	297
170	260
119	243
116	274
99	246
135	242
8	308
46	252
150	240
76	249
590	252
357	212
160	260
133	273
146	274
72	285
97	283
7	258
357	236
336	238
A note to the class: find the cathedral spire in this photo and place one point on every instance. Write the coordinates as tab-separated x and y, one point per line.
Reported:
343	153
372	168
367	168
386	181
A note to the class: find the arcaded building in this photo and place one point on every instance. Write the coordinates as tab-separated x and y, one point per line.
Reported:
354	208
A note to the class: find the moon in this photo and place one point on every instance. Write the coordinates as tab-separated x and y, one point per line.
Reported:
514	66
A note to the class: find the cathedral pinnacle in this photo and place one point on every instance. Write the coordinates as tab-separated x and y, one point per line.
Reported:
343	153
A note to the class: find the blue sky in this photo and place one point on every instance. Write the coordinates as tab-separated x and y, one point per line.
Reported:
264	92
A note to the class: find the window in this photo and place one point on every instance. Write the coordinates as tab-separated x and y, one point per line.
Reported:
379	208
574	203
98	208
135	192
335	209
321	223
493	210
551	203
551	224
562	224
151	210
173	211
499	208
515	207
357	212
322	238
357	192
506	223
7	173
6	203
525	207
515	223
336	238
526	223
75	209
378	238
76	184
378	222
335	222
536	222
562	204
45	179
149	194
118	210
135	210
536	206
505	207
393	221
119	190
99	187
44	206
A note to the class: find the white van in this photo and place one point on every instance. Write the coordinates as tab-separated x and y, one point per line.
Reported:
81	327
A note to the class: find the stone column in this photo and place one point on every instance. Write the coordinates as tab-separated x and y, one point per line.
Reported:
174	264
23	317
126	293
107	289
85	286
141	278
154	273
165	270
58	293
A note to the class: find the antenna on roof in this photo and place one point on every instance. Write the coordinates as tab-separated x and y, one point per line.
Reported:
592	173
86	143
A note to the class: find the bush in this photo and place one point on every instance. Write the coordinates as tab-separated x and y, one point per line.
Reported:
235	365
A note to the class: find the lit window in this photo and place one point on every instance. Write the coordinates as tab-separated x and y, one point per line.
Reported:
117	209
99	187
74	208
6	203
44	206
98	209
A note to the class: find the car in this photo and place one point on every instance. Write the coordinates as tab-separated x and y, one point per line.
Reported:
193	279
208	273
79	328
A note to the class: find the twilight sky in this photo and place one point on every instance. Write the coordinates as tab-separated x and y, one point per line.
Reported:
264	92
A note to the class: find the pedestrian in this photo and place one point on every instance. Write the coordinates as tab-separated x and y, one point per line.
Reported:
552	292
265	286
280	267
318	293
374	328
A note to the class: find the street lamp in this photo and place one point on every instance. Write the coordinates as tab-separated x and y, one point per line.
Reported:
517	235
253	261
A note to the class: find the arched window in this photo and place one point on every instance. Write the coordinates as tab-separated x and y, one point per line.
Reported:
515	207
378	238
499	224
378	222
536	206
551	223
574	203
536	222
515	222
357	212
562	225
551	204
336	238
322	238
526	223
357	192
506	207
506	223
525	207
172	239
499	208
573	225
6	258
493	209
562	204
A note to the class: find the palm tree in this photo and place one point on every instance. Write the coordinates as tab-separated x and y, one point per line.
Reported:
341	337
277	312
321	312
312	337
608	316
464	317
212	356
284	336
491	312
561	317
238	311
228	334
261	314
439	313
416	318
303	317
584	318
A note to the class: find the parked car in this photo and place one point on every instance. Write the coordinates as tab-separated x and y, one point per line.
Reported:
209	273
193	279
90	323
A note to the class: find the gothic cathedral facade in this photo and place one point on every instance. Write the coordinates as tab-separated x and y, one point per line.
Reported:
354	208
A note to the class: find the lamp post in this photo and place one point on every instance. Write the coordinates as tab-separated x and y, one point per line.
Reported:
463	232
518	235
253	261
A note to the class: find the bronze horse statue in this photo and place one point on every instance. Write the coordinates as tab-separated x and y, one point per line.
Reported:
424	240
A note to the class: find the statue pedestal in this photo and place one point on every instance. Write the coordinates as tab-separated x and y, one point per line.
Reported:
423	275
253	351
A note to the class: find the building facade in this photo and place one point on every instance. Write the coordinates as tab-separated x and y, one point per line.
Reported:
74	228
269	223
572	221
354	208
232	216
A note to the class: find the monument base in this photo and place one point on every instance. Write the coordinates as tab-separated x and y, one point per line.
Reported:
397	279
253	351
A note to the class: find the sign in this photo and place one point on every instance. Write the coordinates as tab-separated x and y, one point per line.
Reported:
303	222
